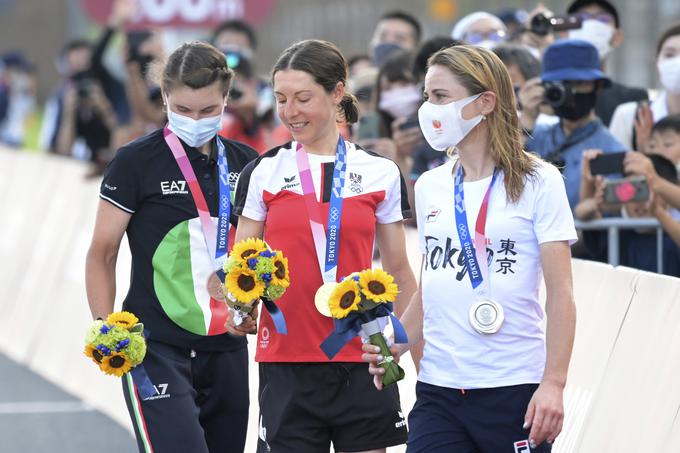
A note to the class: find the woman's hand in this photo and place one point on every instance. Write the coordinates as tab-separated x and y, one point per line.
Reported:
372	356
545	413
248	325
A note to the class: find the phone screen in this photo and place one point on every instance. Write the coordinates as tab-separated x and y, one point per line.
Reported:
607	164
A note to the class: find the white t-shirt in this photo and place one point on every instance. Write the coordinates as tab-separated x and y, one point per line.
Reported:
455	354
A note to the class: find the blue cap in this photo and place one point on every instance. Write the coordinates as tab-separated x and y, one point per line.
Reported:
572	59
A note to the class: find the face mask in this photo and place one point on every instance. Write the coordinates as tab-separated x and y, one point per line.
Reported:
194	132
581	106
488	44
669	72
596	33
384	50
443	125
400	102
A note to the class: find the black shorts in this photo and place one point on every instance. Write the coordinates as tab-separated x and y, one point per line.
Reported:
304	407
201	405
489	420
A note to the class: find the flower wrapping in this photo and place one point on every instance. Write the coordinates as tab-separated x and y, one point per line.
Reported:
254	272
356	304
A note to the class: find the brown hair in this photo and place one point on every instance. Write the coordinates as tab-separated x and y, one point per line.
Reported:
195	65
325	63
480	70
671	31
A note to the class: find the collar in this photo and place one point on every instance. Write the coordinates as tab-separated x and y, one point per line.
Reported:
195	154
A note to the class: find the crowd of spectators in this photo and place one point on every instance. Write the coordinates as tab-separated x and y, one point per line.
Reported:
573	111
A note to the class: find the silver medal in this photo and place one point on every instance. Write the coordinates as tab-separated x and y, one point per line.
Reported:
486	316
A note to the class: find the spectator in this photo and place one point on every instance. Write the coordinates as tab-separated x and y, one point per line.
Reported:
665	139
481	29
236	36
395	30
572	70
637	248
632	122
525	71
536	36
601	27
17	97
514	20
358	64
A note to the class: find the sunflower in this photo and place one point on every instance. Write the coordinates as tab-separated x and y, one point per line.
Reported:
123	319
116	364
248	247
94	354
378	286
244	286
344	299
281	275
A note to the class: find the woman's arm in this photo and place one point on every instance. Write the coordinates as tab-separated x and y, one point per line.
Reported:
392	245
100	267
545	413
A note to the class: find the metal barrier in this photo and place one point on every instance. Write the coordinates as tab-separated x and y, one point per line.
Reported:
613	225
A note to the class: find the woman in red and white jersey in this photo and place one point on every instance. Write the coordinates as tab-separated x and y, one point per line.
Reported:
308	402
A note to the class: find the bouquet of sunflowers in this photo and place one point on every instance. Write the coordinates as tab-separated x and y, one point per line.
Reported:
254	272
357	305
116	345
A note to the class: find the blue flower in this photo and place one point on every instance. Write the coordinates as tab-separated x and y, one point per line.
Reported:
103	349
122	344
356	278
252	262
267	254
105	329
266	277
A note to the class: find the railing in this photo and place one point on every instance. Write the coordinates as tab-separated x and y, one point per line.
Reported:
613	225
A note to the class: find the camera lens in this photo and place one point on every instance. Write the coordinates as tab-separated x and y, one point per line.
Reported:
555	94
540	24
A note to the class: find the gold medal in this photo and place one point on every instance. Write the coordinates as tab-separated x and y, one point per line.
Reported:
214	287
322	296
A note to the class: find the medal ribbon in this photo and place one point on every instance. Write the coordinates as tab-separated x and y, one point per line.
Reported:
326	243
216	239
474	254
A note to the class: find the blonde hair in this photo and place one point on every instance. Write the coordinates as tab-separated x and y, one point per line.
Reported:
479	70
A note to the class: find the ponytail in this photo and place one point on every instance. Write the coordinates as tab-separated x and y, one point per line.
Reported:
349	108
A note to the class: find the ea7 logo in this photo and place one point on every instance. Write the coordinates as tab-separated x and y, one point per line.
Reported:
174	187
522	446
432	216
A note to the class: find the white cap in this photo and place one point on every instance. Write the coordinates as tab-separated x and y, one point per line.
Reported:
463	24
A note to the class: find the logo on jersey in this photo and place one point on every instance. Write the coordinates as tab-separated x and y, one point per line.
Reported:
233	179
432	216
111	188
522	446
355	183
174	187
290	182
264	338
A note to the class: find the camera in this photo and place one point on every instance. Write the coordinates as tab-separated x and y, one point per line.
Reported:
543	25
557	94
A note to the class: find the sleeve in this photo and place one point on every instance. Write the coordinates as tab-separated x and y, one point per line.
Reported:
249	202
120	185
395	206
621	125
553	219
420	215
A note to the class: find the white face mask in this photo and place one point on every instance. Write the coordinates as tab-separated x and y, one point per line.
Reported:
443	125
194	132
400	102
669	72
596	33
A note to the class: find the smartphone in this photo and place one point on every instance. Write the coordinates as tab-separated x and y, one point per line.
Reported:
135	39
409	123
369	126
626	190
606	164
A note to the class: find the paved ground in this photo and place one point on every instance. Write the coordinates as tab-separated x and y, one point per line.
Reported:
37	417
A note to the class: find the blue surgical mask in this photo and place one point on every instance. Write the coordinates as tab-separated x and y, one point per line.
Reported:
194	132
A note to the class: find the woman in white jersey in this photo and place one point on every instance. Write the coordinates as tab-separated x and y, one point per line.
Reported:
491	222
